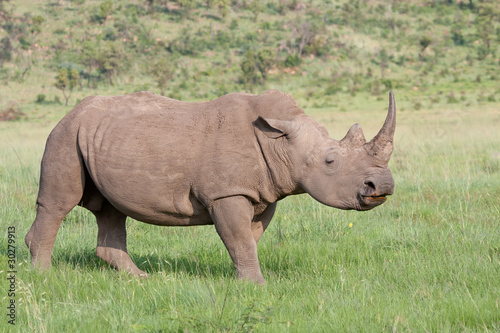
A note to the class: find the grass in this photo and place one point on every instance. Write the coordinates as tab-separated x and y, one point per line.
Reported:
428	260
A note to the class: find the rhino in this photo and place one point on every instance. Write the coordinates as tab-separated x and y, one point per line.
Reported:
225	162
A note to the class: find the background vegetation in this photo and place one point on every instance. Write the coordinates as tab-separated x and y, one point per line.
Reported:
435	51
427	260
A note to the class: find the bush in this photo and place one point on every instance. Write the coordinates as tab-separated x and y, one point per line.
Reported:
11	113
424	42
332	89
5	50
234	25
387	83
109	34
293	60
40	99
24	42
482	52
37	22
250	73
417	105
451	99
457	37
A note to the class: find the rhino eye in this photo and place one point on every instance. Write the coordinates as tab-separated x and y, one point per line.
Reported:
330	159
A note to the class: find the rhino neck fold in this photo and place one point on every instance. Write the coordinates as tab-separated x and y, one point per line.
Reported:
280	183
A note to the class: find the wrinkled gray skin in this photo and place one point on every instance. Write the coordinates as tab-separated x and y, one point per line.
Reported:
224	162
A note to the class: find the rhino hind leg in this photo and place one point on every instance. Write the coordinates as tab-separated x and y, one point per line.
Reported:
41	237
61	188
112	240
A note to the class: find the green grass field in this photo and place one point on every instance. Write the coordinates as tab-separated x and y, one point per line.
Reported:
428	260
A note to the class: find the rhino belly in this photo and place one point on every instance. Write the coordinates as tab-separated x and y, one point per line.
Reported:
162	199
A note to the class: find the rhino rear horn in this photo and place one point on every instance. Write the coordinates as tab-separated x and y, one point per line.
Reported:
381	145
354	137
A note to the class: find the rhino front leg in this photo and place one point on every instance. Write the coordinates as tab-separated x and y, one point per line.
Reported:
261	221
232	217
112	240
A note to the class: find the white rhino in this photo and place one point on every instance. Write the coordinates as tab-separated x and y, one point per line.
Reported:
225	162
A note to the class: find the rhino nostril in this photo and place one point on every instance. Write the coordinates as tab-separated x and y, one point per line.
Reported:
370	185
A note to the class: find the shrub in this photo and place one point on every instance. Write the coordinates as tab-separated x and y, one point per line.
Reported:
5	50
265	60
482	52
250	73
387	83
424	42
109	34
451	99
162	71
11	113
417	105
37	22
332	89
40	98
234	25
222	39
105	9
457	37
67	79
24	42
293	60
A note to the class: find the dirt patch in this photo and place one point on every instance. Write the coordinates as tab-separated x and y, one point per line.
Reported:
11	113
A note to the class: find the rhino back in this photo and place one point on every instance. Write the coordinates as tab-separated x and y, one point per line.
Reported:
163	161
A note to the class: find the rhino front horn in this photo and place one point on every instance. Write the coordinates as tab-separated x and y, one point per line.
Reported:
381	145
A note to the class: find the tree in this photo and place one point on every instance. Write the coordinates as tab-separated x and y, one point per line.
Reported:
110	60
162	71
255	67
304	34
36	23
105	9
487	13
67	79
186	7
265	61
89	57
424	42
250	72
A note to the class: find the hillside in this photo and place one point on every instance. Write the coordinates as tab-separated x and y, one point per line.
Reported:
432	53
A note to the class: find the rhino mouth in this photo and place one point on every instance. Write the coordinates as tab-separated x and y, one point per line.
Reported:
371	201
382	197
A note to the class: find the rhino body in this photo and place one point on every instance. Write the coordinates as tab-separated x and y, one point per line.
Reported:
225	162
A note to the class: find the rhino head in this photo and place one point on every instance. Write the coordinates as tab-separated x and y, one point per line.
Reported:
347	174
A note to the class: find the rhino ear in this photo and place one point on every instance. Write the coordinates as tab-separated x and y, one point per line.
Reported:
274	128
354	137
